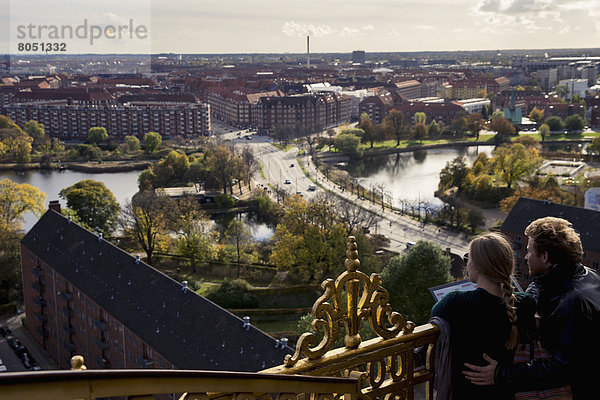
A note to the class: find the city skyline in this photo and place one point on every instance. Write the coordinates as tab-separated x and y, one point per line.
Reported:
265	26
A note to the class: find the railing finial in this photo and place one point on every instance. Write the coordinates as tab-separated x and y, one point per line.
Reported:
77	363
366	299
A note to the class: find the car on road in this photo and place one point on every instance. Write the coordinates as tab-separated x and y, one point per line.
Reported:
4	330
248	137
409	245
287	182
292	165
312	188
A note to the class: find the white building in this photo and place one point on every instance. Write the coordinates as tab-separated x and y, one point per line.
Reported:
574	87
472	106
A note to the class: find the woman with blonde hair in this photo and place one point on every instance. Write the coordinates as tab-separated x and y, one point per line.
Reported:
483	321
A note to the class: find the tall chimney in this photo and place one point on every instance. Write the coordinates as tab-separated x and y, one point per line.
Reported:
308	51
54	205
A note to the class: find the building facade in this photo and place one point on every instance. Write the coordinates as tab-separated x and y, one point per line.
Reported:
85	296
70	121
312	111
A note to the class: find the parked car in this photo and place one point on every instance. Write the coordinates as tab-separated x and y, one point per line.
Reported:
312	188
287	182
292	165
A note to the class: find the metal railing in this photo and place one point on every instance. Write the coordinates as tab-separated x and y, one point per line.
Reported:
388	367
184	385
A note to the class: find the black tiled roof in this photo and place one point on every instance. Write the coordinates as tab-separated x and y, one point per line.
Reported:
188	330
585	221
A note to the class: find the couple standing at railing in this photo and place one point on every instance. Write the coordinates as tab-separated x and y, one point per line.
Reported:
482	329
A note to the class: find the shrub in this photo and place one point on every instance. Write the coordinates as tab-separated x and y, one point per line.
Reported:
234	294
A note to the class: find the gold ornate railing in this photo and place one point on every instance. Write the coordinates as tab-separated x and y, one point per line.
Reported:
186	385
388	367
391	365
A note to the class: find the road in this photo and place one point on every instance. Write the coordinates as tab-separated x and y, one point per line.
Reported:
276	165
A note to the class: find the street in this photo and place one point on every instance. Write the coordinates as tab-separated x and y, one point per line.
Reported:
277	169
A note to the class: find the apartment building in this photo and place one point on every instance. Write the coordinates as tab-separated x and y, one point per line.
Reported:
440	112
409	89
72	121
85	296
316	111
473	87
236	106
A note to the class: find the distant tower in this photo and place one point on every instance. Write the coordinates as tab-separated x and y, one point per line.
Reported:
358	57
308	51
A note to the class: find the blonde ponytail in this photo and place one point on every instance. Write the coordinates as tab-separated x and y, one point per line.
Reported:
509	301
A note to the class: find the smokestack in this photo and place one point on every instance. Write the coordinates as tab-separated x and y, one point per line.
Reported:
308	51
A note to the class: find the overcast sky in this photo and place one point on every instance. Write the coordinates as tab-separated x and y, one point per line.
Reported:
278	26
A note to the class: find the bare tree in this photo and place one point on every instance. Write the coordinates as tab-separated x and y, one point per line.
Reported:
146	218
354	217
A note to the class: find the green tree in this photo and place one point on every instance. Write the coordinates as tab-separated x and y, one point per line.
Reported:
370	132
348	144
475	218
502	126
95	205
10	266
17	199
152	142
420	118
454	174
434	129
536	115
594	147
574	123
133	143
16	144
515	161
408	278
395	124
171	170
225	166
97	135
544	131
194	230
554	123
309	239
36	132
420	131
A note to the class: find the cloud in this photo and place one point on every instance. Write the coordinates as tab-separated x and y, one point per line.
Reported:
424	27
533	15
292	28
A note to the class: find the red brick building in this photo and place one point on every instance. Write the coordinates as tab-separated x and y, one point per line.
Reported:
236	106
440	112
314	111
85	296
73	121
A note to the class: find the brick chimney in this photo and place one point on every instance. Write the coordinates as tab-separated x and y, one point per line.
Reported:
54	205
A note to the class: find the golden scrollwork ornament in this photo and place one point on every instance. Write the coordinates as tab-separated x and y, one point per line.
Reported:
330	312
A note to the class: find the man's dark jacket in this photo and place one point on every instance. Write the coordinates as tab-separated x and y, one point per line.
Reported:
568	302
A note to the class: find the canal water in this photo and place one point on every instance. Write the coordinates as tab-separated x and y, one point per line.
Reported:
410	177
122	184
